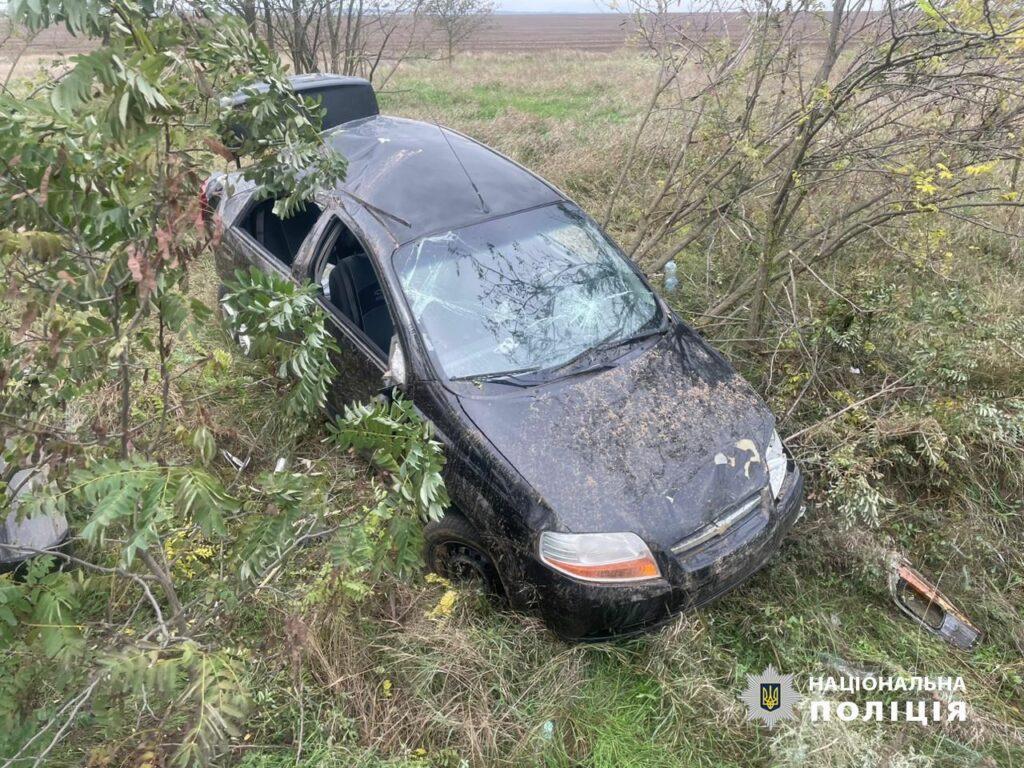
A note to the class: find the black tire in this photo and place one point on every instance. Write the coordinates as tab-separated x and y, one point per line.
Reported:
454	550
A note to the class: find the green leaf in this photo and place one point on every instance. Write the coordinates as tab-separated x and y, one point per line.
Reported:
929	9
122	110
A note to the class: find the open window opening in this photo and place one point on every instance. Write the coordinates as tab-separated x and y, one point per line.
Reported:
281	237
349	282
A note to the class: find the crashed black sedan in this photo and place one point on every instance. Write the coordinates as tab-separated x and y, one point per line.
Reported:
607	467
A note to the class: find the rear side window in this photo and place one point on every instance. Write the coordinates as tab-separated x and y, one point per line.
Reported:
343	103
282	238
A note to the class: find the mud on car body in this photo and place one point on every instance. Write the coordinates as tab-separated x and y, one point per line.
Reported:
607	467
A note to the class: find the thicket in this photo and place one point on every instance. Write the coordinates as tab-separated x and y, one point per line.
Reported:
835	185
842	233
100	171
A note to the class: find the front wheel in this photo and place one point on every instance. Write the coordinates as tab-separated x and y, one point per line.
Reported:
455	551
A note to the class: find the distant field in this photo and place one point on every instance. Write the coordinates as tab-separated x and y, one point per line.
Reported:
588	32
503	33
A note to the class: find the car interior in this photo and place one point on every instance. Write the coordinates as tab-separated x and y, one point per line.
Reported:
348	281
282	237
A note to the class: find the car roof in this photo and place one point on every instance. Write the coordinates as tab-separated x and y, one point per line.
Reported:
421	178
301	84
320	79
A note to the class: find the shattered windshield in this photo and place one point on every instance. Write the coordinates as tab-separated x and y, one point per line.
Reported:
525	292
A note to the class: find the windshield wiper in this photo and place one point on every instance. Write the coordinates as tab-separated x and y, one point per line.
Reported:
521	377
601	346
502	377
612	343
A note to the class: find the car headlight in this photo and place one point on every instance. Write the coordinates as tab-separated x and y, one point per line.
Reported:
777	462
603	557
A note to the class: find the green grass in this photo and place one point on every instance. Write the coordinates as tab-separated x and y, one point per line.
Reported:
491	100
383	684
618	715
497	689
493	688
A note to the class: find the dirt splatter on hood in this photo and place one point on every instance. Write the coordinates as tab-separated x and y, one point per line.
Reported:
659	445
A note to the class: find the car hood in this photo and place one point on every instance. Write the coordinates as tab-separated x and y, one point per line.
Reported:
660	445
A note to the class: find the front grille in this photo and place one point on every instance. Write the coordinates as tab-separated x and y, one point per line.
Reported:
728	520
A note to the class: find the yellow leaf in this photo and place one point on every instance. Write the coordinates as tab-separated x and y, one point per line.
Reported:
445	605
980	168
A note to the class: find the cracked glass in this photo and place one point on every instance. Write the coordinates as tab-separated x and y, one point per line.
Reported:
521	293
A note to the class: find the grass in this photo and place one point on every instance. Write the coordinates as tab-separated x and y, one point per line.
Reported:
492	100
388	684
562	113
491	688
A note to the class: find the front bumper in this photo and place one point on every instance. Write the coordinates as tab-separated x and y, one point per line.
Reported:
577	610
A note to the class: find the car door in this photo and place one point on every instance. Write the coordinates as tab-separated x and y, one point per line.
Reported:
360	360
248	252
232	248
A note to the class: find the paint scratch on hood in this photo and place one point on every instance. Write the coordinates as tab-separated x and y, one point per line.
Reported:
748	446
721	458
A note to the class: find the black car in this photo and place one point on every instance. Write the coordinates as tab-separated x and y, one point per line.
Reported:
606	466
23	537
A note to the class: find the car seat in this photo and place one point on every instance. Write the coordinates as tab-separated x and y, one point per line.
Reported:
340	295
357	293
268	231
295	228
283	238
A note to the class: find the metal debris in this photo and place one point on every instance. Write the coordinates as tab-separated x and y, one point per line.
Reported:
236	462
922	601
